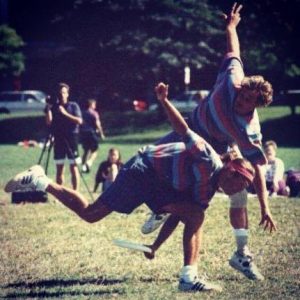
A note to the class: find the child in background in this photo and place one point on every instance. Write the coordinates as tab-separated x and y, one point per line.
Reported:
274	171
108	169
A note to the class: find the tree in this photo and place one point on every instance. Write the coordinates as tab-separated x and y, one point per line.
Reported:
127	46
12	61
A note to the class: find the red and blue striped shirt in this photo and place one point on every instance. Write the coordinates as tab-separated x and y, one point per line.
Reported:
191	164
215	118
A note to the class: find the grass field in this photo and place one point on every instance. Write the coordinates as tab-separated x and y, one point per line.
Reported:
48	252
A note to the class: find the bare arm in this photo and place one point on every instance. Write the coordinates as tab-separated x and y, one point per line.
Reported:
261	190
49	116
100	129
233	19
177	121
166	230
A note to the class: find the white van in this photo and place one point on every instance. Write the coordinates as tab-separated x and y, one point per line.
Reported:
22	101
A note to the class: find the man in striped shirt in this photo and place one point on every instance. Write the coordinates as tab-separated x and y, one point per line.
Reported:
228	115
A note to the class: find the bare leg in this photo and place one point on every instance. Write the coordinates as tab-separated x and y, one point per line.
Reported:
93	156
75	178
192	239
238	217
60	178
78	204
85	156
192	216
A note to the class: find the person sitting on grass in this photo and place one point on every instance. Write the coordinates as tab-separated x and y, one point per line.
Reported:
274	171
108	169
176	178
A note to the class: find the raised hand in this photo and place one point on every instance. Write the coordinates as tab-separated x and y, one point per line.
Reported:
234	17
161	91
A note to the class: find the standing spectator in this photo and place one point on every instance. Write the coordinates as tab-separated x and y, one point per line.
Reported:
64	117
108	169
274	171
90	130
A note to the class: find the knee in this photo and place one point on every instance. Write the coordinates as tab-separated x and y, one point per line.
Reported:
84	215
239	200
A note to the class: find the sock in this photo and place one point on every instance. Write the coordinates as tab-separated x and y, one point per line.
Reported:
188	273
42	183
241	237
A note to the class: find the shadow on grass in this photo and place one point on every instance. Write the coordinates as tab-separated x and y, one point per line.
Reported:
45	294
62	283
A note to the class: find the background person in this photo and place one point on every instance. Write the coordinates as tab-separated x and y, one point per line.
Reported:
177	178
90	131
229	115
64	118
274	171
108	169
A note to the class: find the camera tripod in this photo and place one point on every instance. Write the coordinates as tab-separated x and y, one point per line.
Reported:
50	141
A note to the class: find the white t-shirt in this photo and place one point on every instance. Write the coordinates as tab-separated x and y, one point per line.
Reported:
274	170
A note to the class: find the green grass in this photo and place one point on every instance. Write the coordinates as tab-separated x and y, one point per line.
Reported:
48	252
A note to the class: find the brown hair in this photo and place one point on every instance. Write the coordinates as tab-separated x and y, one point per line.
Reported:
259	84
111	150
270	143
63	85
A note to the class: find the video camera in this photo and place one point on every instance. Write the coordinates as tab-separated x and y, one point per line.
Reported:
52	100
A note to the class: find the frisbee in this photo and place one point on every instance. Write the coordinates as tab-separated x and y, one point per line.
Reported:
132	245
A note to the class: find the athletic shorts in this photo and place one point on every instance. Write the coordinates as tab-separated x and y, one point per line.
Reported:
137	183
66	147
89	140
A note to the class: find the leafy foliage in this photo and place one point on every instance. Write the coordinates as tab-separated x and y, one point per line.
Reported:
11	57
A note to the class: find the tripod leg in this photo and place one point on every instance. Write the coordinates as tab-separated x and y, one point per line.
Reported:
44	149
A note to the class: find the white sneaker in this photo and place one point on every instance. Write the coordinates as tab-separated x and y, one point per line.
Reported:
198	286
245	265
32	179
154	222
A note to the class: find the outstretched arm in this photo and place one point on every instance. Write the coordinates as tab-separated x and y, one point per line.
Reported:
167	229
233	19
261	190
176	119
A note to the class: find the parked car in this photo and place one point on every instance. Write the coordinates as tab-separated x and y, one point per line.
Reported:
21	101
186	101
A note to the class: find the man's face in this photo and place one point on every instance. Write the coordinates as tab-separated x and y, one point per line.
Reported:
63	95
246	101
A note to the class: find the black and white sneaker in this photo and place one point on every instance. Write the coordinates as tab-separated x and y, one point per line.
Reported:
245	265
198	286
29	180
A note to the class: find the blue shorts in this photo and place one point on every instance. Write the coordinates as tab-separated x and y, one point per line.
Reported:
137	183
66	147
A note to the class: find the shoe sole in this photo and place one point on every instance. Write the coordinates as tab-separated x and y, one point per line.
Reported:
13	183
237	268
